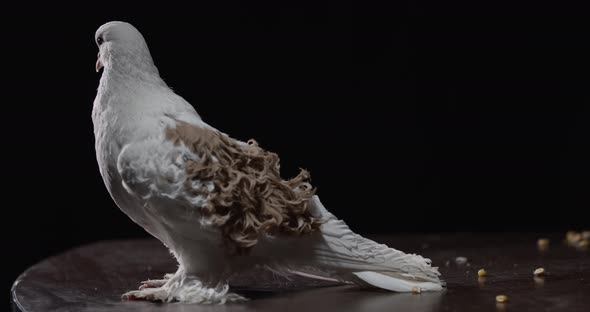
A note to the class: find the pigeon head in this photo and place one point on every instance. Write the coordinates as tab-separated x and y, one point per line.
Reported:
122	47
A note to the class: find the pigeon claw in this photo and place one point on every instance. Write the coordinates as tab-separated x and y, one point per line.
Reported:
152	283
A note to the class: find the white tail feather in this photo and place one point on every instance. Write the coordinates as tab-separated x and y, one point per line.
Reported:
354	258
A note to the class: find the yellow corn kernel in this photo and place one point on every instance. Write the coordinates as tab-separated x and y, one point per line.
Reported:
501	298
573	236
539	272
543	243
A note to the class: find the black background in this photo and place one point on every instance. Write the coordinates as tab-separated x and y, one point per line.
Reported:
413	117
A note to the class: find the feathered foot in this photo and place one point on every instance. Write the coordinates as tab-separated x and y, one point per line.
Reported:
183	288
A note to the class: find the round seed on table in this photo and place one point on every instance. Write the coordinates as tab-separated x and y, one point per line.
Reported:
543	243
570	234
573	236
482	273
539	272
501	298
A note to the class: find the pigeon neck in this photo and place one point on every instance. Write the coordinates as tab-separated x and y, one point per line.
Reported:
136	66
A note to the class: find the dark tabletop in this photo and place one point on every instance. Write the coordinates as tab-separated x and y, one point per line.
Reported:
93	277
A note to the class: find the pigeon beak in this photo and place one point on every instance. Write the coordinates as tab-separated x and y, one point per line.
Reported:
98	63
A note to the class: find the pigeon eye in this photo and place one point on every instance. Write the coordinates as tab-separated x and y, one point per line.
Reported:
99	40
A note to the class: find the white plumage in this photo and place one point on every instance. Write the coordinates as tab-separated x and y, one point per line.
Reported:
170	173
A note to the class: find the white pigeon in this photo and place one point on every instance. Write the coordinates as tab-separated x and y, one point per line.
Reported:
217	203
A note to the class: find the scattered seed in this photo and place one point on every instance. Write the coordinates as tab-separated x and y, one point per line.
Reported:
539	272
501	298
573	236
543	243
482	273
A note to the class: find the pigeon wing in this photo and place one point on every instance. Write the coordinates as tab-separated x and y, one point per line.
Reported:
198	176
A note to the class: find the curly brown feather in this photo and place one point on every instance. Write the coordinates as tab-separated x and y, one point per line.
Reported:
249	197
